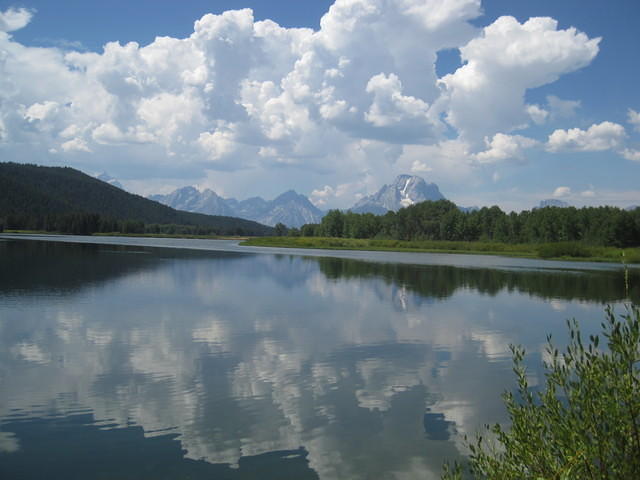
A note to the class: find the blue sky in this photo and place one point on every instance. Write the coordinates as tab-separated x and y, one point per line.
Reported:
538	108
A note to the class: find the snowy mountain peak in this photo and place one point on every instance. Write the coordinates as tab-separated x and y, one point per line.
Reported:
404	191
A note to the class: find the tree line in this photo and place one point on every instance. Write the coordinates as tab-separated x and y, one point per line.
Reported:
443	220
89	223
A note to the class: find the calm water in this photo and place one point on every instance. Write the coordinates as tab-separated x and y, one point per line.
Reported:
134	362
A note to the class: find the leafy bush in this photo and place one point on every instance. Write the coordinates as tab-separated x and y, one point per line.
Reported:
584	425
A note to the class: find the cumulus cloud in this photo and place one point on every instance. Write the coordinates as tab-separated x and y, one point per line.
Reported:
631	154
598	137
505	147
319	196
561	192
323	196
14	19
346	101
40	111
501	64
390	107
538	115
633	118
75	145
219	143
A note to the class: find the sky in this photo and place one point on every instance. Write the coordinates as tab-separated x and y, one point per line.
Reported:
499	102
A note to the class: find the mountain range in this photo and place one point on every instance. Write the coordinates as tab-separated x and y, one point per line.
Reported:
290	208
293	209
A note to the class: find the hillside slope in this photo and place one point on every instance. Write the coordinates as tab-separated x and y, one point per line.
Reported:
35	192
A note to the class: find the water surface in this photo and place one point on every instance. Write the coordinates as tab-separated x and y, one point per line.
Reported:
131	361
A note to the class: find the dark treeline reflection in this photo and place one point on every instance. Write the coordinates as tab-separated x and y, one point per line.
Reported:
438	281
65	268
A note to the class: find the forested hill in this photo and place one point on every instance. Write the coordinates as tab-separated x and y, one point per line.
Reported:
51	198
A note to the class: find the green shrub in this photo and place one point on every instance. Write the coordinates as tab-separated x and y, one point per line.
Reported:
584	425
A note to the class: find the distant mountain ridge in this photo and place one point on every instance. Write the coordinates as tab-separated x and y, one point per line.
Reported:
294	210
291	208
553	202
106	178
404	191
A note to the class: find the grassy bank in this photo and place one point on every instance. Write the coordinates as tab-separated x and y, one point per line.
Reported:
28	232
555	251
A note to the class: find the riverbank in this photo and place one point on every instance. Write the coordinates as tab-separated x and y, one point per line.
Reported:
548	251
569	251
133	235
162	235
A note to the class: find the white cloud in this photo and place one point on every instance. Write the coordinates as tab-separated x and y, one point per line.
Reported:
40	111
319	197
219	143
110	134
420	167
501	64
559	108
538	115
590	193
389	106
633	118
631	154
505	147
14	19
561	192
75	145
449	160
299	94
598	137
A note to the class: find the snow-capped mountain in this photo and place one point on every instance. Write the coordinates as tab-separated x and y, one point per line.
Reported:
404	191
105	177
290	208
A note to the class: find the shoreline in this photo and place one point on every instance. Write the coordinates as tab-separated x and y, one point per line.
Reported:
302	245
130	235
529	251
